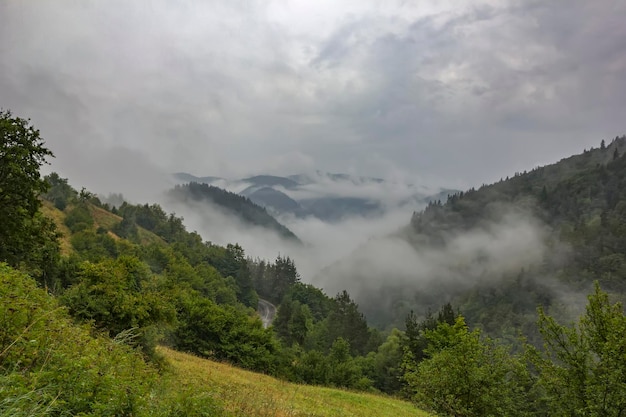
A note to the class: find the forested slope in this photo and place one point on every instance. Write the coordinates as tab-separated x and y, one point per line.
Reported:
240	206
578	207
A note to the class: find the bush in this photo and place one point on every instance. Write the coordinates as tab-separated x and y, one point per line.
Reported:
49	366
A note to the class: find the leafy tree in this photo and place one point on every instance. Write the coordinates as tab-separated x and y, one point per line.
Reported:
94	247
319	303
23	231
384	365
344	370
79	218
583	368
465	375
415	341
237	266
313	368
120	296
60	193
223	333
293	321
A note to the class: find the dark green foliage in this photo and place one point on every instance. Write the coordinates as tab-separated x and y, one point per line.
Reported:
347	322
60	193
245	209
79	218
466	375
234	264
48	366
319	304
343	369
582	368
119	296
126	229
384	366
274	281
415	341
23	231
94	247
293	322
224	333
152	218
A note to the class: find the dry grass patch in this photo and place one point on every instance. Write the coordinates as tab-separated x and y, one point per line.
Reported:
58	217
103	218
246	393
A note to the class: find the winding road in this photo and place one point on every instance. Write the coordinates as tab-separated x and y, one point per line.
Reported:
266	311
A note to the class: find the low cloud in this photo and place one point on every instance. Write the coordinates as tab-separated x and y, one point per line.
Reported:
463	260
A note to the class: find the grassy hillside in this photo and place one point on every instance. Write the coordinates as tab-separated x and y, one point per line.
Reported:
244	393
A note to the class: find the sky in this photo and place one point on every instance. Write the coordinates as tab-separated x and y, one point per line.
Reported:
441	92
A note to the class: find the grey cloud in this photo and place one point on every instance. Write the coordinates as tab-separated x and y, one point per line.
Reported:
237	88
481	255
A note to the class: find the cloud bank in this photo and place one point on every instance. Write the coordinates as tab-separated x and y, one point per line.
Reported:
440	91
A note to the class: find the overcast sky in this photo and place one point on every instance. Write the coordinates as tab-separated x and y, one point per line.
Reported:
453	92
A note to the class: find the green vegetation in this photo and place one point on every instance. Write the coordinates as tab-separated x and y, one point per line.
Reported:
26	237
243	393
80	328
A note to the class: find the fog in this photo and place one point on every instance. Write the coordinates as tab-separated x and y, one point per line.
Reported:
464	260
323	243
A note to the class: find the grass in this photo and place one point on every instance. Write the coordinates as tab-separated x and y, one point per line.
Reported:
48	210
244	393
103	218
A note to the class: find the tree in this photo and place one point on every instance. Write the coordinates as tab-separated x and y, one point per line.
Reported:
385	364
467	375
23	231
582	368
415	341
346	321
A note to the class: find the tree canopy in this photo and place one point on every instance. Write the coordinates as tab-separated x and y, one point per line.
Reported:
22	152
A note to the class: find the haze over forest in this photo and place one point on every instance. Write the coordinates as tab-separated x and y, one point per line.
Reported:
428	96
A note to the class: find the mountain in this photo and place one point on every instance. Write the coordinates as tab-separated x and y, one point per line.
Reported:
184	177
336	208
242	207
270	181
274	200
539	238
330	197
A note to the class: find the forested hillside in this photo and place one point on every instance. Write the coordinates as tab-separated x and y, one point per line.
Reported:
539	238
247	211
89	291
577	208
